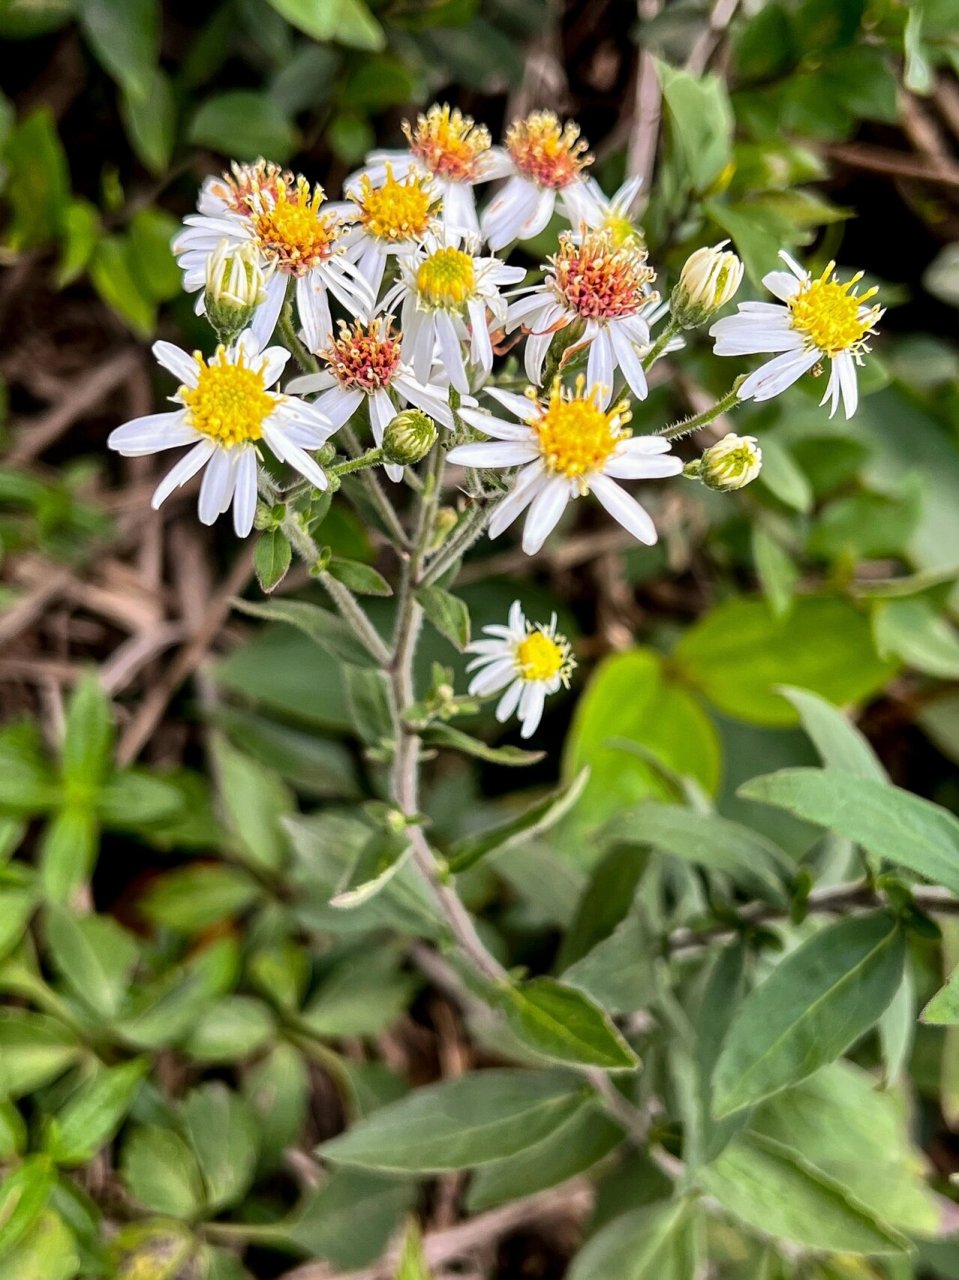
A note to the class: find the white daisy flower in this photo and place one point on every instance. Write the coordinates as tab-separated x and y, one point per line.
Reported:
446	292
282	216
602	289
547	162
455	152
226	409
528	660
821	320
615	213
365	363
392	217
565	446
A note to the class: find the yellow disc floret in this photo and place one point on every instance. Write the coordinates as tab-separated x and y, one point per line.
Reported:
543	656
576	436
551	154
290	229
447	143
397	211
446	279
229	402
831	315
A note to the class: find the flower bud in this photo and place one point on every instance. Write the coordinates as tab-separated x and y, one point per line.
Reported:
408	438
730	463
235	287
708	280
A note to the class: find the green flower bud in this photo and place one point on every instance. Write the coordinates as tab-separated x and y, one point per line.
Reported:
235	287
708	280
731	463
408	438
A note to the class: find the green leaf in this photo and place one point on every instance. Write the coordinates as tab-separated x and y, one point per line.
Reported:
272	558
94	1113
115	278
349	1219
448	614
34	1050
255	801
125	36
23	1196
701	123
630	696
13	1132
564	1025
817	1002
16	908
246	124
362	579
619	971
444	735
161	1172
47	1252
943	1009
835	737
68	852
919	635
222	1130
458	1124
784	477
361	995
889	822
709	841
326	629
370	703
644	1244
773	1190
232	1029
347	22
94	955
382	857
88	738
195	897
38	182
412	1264
585	1138
532	822
81	230
149	120
278	1091
776	569
739	652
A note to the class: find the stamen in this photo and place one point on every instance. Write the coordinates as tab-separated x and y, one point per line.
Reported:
364	357
576	436
229	402
551	154
447	143
832	316
397	210
446	279
291	230
600	280
543	655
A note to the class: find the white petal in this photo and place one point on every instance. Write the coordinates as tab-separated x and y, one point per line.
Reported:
492	677
152	434
244	498
338	405
459	208
531	708
540	215
216	491
639	466
848	382
599	369
382	412
500	454
285	449
185	470
498	428
544	513
527	486
628	360
522	406
313	308
451	352
180	364
782	283
481	349
507	212
509	701
624	508
537	345
778	374
268	312
305	383
273	362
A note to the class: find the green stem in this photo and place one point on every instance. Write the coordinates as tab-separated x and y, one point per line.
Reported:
391	521
304	358
368	459
687	425
462	538
350	610
656	350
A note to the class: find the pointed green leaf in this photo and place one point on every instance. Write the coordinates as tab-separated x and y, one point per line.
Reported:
444	735
644	1244
94	1113
565	1025
532	822
839	743
448	614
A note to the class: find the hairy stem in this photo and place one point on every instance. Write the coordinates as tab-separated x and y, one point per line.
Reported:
670	329
687	425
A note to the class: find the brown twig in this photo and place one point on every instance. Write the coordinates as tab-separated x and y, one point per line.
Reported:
862	155
709	39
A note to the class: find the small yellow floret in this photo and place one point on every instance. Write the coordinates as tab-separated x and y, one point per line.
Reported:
577	437
831	314
540	657
551	154
397	210
446	279
291	230
229	402
449	144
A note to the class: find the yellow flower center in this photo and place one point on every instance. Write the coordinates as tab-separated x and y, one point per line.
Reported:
831	315
448	144
446	279
549	153
229	402
623	232
541	657
576	437
397	210
290	228
366	356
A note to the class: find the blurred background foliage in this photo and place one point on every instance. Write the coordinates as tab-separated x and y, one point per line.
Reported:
186	1015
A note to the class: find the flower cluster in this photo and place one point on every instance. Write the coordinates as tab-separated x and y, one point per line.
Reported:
396	301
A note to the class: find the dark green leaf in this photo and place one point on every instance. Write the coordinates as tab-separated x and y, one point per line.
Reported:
272	557
349	1219
835	737
125	36
370	702
94	955
362	579
644	1244
244	124
23	1196
564	1025
93	1114
532	822
326	629
444	735
222	1131
347	22
161	1172
232	1029
817	1002
68	851
34	1049
195	897
448	614
149	118
619	971
701	121
38	181
919	635
484	1116
255	801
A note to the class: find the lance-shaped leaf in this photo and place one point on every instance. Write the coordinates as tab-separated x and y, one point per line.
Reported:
835	737
889	822
458	1124
565	1025
532	822
93	1114
645	1244
444	735
448	614
324	628
817	1002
